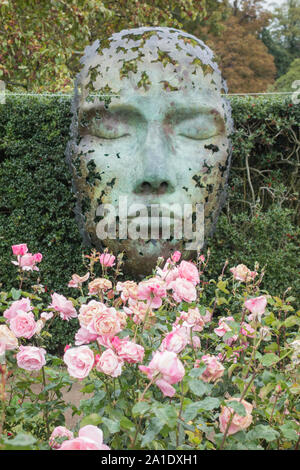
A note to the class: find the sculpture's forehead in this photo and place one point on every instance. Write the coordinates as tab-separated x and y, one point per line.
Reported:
150	53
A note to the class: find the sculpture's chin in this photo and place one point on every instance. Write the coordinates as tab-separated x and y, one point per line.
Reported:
140	256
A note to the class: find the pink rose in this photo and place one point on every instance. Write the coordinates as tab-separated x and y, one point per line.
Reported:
109	363
38	257
31	358
176	256
89	438
176	340
183	290
46	315
128	289
247	330
28	261
63	306
224	328
152	290
107	260
99	284
79	361
105	322
77	281
8	339
257	307
23	325
129	351
168	369
238	422
242	273
19	250
189	271
214	369
139	310
83	336
192	319
12	311
59	432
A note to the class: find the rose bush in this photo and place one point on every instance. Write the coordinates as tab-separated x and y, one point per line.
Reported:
169	364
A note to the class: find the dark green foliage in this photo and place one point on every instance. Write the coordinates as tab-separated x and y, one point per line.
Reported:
259	220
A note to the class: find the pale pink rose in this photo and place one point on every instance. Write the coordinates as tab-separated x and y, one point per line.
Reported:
139	311
207	317
189	271
46	315
39	326
192	319
105	322
257	307
19	250
223	328
247	330
99	284
238	422
176	340
8	339
22	304
128	289
110	364
77	281
176	256
152	290
63	306
87	312
183	290
242	273
214	369
168	369
89	438
129	351
28	262
23	325
79	361
59	432
38	257
107	260
83	336
31	358
196	342
168	274
202	258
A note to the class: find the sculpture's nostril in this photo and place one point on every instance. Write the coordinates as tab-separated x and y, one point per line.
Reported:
146	187
163	187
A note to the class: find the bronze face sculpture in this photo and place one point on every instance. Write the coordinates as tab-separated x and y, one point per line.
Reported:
149	150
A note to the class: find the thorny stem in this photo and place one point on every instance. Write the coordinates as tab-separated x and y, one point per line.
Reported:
46	410
3	396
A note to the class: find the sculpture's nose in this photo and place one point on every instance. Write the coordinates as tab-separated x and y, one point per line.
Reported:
158	176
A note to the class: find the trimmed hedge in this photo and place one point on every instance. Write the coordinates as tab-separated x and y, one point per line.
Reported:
260	221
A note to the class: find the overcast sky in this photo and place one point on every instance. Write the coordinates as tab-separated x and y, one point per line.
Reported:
271	4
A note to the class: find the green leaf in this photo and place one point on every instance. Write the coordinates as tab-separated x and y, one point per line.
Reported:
16	293
209	403
198	387
93	419
269	359
112	425
155	425
262	431
289	431
197	372
88	388
126	424
291	321
237	406
140	408
21	441
166	414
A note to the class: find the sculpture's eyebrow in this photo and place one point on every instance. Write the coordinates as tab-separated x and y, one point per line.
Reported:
115	109
183	112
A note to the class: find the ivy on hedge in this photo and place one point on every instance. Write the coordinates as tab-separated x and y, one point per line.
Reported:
260	221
